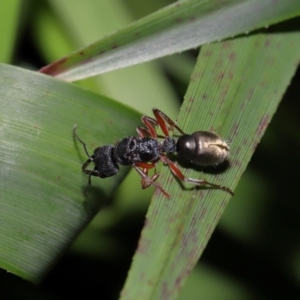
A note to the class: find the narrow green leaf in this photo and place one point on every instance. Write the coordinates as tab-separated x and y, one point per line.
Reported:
42	202
181	26
99	19
234	91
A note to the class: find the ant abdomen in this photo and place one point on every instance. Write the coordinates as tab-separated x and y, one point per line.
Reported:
202	148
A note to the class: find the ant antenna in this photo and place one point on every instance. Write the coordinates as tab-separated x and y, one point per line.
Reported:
81	141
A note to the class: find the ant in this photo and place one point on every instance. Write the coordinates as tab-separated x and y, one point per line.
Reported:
143	152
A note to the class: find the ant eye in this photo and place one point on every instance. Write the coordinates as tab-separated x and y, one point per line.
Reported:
132	145
186	146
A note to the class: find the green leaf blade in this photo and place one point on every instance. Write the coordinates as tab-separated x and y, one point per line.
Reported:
181	26
235	90
43	207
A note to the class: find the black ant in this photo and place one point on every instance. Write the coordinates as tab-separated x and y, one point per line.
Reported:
143	152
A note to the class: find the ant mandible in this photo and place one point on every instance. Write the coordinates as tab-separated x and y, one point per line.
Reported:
143	152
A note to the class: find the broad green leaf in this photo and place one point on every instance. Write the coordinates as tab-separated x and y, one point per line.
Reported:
235	89
43	206
181	26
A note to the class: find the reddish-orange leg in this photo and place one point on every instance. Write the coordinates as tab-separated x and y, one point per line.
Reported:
162	119
143	132
150	123
147	181
175	170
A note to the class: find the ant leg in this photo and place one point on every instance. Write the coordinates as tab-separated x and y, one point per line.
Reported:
162	119
89	172
146	184
175	170
150	124
143	132
146	167
146	181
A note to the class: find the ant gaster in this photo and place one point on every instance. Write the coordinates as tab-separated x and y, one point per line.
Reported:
143	152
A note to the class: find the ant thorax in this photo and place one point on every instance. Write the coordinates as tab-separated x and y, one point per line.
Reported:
133	149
